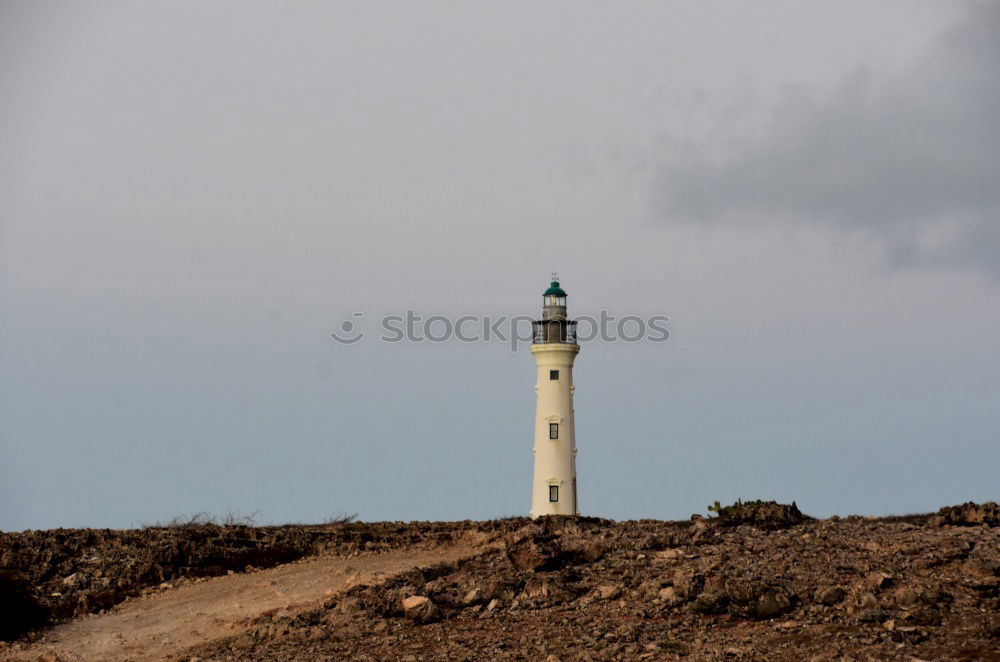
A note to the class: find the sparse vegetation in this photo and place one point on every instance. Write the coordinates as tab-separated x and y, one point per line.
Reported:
759	513
341	518
201	519
733	508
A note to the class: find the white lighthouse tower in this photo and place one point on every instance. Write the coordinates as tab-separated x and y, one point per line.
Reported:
554	346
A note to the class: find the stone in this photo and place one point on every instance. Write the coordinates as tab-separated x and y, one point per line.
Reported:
420	609
650	588
688	582
349	605
583	550
923	615
871	615
711	602
879	580
609	591
830	595
971	514
669	554
536	587
771	603
669	595
906	597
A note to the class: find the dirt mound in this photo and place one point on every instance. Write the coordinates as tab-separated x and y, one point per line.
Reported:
578	588
76	571
768	515
968	514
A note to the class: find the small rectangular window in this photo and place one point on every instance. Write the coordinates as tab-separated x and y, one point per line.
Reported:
553	493
553	430
554	375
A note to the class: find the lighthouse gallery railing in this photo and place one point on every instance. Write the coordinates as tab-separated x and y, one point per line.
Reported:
553	331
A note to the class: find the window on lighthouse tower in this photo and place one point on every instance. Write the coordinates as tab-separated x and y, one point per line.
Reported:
554	375
553	430
553	493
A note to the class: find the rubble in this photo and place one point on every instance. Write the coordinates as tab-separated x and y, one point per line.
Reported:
588	589
855	588
968	514
58	574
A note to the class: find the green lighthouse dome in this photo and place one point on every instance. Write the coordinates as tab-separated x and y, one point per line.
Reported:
555	290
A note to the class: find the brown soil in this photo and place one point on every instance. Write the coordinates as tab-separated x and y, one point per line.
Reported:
160	627
903	588
61	573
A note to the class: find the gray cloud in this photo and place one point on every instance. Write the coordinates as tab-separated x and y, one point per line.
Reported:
910	160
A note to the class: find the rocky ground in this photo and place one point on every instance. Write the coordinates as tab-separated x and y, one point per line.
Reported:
761	582
50	576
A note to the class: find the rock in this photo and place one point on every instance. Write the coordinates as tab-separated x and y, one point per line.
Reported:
711	602
867	601
879	580
830	595
668	594
474	596
936	596
688	582
349	605
551	552
906	597
626	632
970	514
529	553
609	591
768	515
650	588
771	603
420	609
669	554
583	550
537	587
743	591
871	615
493	605
923	615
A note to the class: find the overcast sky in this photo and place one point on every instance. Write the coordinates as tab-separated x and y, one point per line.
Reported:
194	195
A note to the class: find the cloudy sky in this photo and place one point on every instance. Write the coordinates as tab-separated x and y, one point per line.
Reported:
194	195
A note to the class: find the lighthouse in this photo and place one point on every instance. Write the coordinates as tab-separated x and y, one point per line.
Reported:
554	346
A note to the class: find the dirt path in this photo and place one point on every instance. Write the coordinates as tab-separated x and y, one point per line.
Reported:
160	626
